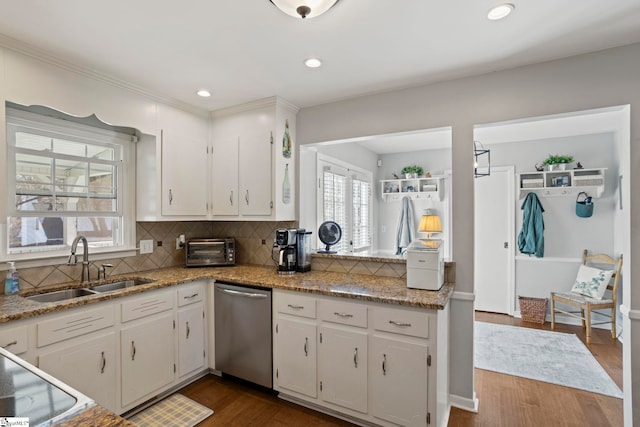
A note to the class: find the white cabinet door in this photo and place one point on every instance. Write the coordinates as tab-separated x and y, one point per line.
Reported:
191	356
399	381
147	358
295	343
89	367
224	177
184	174
255	173
342	366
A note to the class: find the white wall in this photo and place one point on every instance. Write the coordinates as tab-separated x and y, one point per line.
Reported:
607	78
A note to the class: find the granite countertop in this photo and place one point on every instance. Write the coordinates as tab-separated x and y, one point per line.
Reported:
357	286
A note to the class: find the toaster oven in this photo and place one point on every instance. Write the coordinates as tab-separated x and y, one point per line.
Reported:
210	252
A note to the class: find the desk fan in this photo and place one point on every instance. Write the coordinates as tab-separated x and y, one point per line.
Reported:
329	233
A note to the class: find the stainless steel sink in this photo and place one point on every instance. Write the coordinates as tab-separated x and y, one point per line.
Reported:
61	295
115	286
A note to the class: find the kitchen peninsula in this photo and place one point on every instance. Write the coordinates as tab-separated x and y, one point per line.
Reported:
370	298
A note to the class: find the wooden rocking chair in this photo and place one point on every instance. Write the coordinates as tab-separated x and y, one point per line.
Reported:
587	304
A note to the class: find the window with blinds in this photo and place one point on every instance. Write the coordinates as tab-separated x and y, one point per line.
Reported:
346	199
63	180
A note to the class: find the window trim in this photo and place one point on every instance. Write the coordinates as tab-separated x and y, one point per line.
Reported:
352	170
126	198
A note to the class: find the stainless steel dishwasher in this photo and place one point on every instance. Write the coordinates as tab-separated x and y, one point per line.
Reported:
243	333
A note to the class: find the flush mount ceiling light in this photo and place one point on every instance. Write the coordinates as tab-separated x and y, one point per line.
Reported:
304	8
203	93
501	11
312	62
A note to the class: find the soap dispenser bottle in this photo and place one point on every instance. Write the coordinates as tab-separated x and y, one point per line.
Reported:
11	283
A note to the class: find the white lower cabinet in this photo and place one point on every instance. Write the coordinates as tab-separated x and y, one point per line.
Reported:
191	339
147	359
295	360
375	362
399	380
342	367
90	367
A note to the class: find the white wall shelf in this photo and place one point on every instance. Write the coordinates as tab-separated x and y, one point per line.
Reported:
562	183
429	188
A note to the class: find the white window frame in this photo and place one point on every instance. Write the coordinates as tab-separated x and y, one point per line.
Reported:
125	198
350	172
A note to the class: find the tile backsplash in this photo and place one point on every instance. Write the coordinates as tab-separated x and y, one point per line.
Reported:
250	249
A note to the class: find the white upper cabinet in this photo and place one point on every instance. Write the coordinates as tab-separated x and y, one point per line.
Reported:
253	149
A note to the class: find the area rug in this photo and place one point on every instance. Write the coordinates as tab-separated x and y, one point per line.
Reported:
175	410
552	357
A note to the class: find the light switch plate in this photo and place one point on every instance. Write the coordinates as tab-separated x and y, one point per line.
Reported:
146	247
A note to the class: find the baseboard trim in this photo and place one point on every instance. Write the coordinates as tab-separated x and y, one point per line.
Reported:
463	296
629	313
464	403
324	410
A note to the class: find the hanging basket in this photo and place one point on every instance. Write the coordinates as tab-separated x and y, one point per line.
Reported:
584	207
533	310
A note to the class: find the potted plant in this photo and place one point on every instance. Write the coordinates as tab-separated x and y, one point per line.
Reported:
412	171
557	161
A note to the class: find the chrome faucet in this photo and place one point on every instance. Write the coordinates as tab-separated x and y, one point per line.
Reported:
85	257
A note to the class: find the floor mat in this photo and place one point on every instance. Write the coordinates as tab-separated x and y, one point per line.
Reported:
176	410
552	357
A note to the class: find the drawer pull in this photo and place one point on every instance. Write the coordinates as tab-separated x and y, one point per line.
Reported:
104	363
190	296
343	314
402	324
10	344
295	307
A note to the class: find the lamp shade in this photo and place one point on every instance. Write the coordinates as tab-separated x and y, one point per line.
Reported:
304	8
430	223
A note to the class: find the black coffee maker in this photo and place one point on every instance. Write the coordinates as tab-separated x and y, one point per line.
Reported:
285	250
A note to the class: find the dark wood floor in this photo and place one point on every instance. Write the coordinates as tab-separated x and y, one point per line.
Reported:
505	400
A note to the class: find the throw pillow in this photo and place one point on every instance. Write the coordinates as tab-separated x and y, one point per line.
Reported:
592	282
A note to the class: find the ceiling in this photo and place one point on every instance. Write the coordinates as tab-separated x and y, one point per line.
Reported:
245	50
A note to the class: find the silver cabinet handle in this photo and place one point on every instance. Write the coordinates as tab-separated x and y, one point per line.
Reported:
104	363
170	196
355	358
384	364
306	347
246	197
343	314
243	294
231	197
188	330
295	307
403	324
190	296
133	350
7	345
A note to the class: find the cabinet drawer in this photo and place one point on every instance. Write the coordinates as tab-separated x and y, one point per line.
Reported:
399	321
142	307
15	339
297	305
344	313
74	325
189	294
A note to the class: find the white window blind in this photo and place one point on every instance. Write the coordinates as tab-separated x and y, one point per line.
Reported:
346	199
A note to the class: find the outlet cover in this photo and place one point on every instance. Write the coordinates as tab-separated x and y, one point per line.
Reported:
146	247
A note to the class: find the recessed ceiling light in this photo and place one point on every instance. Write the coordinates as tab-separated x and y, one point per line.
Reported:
501	11
204	93
312	62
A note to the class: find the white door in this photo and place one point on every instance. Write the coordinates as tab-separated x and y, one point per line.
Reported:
191	356
224	177
494	241
295	343
255	174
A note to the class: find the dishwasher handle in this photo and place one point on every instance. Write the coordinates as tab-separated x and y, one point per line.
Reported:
243	294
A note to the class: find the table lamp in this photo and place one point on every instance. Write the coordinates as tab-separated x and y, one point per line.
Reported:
430	223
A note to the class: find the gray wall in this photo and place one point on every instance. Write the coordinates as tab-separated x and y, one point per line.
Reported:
607	78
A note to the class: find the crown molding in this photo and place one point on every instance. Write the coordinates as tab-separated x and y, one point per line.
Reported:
254	105
41	55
